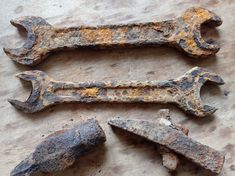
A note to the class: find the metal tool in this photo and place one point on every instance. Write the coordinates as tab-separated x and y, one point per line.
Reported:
61	149
165	133
183	91
170	159
182	33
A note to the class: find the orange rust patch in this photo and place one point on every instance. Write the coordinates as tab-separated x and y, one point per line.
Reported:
90	92
103	35
89	35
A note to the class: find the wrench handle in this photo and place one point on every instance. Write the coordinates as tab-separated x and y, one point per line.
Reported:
135	92
110	36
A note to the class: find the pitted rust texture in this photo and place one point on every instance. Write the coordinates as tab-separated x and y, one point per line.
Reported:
183	91
165	133
61	149
182	33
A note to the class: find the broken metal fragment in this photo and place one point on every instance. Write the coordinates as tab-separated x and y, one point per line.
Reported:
183	33
183	91
165	133
61	149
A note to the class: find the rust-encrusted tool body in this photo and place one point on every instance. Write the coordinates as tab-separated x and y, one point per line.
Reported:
61	149
182	33
168	135
183	91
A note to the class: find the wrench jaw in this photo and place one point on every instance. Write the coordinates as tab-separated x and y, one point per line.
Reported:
190	85
34	103
189	38
25	54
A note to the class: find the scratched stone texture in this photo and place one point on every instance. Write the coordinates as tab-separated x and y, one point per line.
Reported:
122	154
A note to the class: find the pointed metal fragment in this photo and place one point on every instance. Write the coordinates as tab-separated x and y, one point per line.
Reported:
61	149
165	133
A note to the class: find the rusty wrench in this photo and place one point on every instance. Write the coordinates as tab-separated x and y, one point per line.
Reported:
183	91
165	133
183	33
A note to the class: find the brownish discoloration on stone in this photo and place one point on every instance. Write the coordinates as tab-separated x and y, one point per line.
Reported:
61	149
182	33
183	91
165	133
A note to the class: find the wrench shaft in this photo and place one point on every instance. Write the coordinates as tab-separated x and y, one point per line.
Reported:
155	92
112	36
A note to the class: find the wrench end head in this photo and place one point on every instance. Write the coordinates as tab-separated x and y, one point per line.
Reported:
28	22
32	76
26	55
190	84
209	109
203	75
27	106
190	40
18	55
23	106
200	15
26	76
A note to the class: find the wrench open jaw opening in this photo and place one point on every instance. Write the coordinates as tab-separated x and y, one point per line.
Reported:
190	85
33	103
24	54
183	33
183	91
190	39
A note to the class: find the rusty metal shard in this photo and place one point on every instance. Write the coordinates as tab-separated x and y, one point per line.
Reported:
61	149
182	33
183	91
170	137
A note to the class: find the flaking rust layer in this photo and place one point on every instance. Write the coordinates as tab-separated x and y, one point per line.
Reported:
182	33
183	91
61	149
165	133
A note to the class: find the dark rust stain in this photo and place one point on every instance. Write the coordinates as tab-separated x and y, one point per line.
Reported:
174	138
182	33
61	149
19	9
183	91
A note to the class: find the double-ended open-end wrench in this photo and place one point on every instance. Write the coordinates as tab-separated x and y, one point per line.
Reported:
183	33
183	91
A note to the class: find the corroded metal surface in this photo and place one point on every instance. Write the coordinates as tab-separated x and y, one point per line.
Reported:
61	149
183	91
165	133
182	33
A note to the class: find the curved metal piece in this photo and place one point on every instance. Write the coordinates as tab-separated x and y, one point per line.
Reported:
183	33
183	91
